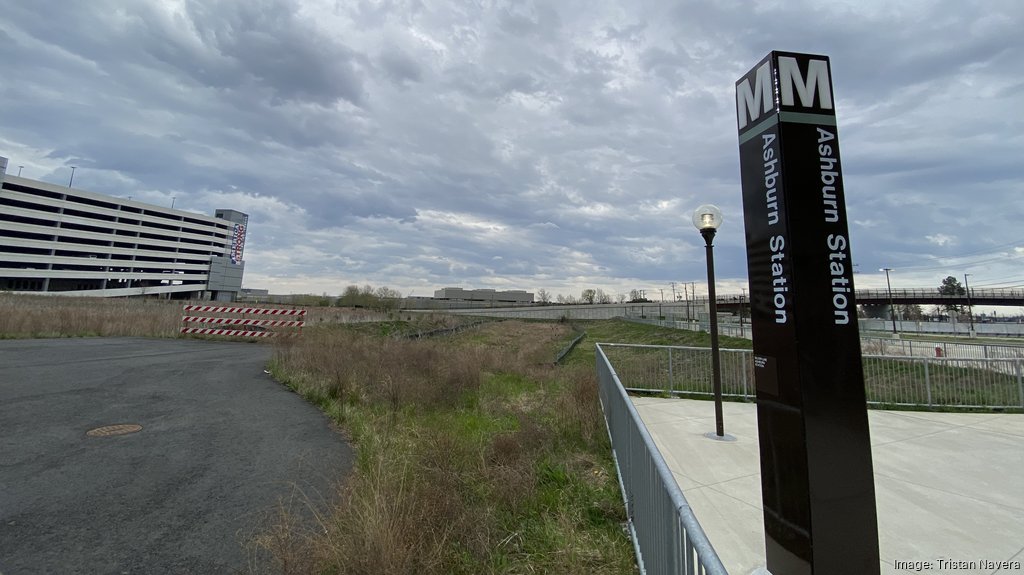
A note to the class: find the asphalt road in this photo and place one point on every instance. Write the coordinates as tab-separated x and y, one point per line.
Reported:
220	443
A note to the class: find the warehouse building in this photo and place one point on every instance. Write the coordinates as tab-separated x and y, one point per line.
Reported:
60	240
489	296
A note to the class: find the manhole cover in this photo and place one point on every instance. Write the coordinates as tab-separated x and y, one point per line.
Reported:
119	429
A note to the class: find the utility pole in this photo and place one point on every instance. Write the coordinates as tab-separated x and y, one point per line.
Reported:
686	296
742	299
693	294
662	290
970	308
892	307
673	284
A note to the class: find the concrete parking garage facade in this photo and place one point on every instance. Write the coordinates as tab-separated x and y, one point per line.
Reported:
60	240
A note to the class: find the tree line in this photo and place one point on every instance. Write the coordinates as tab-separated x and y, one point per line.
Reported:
590	296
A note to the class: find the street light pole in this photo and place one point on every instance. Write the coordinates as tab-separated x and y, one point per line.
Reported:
970	308
707	219
72	180
892	308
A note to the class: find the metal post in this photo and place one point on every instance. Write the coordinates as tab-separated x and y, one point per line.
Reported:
742	297
1020	383
744	369
716	367
970	309
892	308
927	382
671	384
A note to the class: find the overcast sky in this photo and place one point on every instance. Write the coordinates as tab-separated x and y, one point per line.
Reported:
519	145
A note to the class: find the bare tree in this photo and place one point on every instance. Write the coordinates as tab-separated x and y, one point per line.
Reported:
543	296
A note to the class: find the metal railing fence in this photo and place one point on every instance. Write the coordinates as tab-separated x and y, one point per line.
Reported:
678	370
665	532
730	325
888	380
726	326
958	350
944	382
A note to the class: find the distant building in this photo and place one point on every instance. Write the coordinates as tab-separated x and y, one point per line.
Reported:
487	296
56	239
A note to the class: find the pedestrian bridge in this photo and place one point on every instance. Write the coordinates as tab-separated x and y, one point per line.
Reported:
1010	297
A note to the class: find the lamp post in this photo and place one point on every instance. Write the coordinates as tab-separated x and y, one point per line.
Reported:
72	180
892	308
970	308
707	219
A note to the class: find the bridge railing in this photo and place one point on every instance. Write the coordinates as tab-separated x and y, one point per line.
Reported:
665	532
930	293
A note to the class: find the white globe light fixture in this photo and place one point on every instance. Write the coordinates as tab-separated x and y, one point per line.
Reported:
707	217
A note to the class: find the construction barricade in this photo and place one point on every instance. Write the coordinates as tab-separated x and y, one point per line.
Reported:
241	326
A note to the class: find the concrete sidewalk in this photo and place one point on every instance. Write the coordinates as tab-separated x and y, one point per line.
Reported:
948	485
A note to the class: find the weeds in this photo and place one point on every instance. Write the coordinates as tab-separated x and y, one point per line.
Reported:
474	455
40	316
28	316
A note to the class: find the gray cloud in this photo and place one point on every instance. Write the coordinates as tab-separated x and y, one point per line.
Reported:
520	145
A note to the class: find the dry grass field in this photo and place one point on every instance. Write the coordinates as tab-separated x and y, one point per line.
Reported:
26	316
45	316
475	454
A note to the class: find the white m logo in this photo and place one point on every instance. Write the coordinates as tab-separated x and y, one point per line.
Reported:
817	78
750	107
752	102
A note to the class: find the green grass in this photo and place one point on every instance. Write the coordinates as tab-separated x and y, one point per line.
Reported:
622	331
890	382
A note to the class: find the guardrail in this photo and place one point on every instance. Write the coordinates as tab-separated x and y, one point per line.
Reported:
665	532
888	380
255	327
